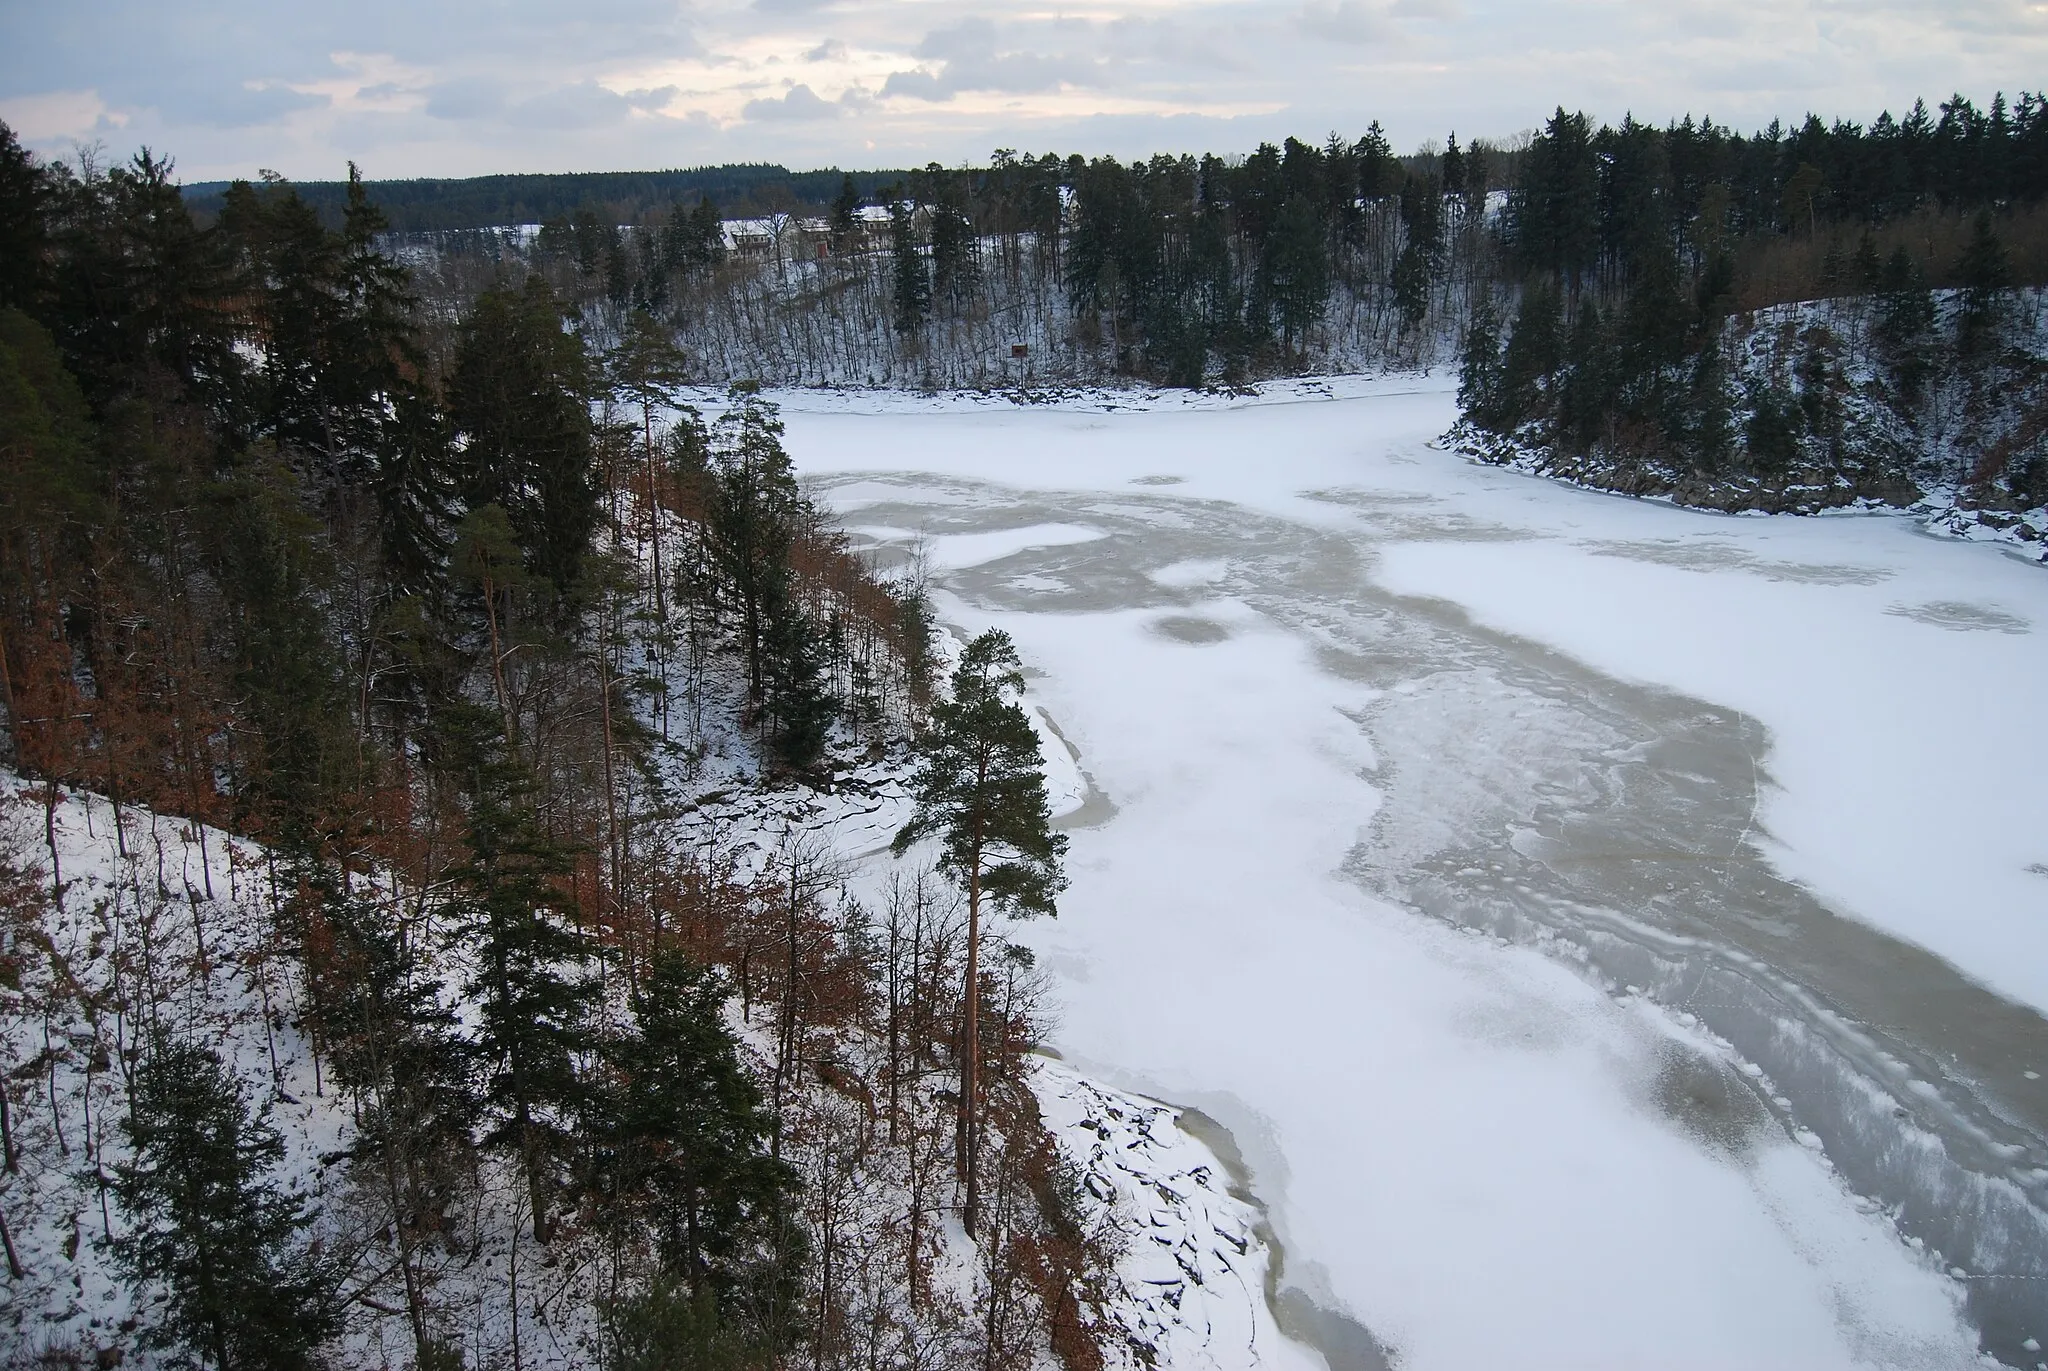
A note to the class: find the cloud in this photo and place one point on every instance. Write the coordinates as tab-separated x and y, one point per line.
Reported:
470	98
917	85
650	101
582	106
457	87
58	115
973	55
1347	21
800	102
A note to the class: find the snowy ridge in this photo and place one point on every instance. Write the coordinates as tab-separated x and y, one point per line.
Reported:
1978	417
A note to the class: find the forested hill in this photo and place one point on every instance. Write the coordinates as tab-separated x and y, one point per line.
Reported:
415	735
1776	323
624	196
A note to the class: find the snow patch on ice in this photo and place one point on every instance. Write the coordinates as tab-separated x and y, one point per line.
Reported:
957	551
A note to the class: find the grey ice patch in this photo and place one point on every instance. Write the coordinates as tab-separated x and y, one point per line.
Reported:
1346	1344
1158	480
1691	555
1821	574
1187	628
1709	1100
1356	497
1958	617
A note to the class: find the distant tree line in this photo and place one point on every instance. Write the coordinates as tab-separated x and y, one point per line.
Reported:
1631	251
1204	270
620	197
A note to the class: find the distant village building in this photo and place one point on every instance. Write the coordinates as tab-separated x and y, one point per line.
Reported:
793	239
749	239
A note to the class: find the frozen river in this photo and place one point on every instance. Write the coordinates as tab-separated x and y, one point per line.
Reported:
1614	936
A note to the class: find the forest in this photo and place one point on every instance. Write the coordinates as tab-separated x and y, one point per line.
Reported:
417	949
622	197
1798	317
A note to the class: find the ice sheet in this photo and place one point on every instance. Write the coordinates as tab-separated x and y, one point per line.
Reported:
1459	1140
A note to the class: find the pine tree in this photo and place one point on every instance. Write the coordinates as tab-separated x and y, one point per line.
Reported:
980	790
209	1224
646	370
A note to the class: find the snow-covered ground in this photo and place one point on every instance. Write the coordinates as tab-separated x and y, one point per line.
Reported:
1728	1015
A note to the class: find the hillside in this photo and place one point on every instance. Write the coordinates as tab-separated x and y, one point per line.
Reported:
1933	401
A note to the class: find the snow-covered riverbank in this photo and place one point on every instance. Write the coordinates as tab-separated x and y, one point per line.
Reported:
1325	676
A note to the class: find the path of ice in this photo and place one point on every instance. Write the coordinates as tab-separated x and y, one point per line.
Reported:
1614	1104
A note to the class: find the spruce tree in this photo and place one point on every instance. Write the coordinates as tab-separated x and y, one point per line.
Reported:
1452	169
513	913
24	238
1985	271
1533	354
980	790
210	1225
1479	370
844	222
1295	273
669	1327
519	399
395	1048
757	515
692	1145
912	284
1905	329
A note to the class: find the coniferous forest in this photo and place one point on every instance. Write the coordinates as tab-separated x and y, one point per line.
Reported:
437	625
1793	318
459	701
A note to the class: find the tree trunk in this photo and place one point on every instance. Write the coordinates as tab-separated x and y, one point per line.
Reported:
970	1050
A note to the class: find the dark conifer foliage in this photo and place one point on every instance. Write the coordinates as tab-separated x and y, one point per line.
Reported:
519	402
213	1227
690	1146
1647	247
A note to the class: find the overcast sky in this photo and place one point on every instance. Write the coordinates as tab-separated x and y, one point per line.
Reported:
460	87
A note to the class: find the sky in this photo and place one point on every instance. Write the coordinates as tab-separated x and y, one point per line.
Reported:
465	87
